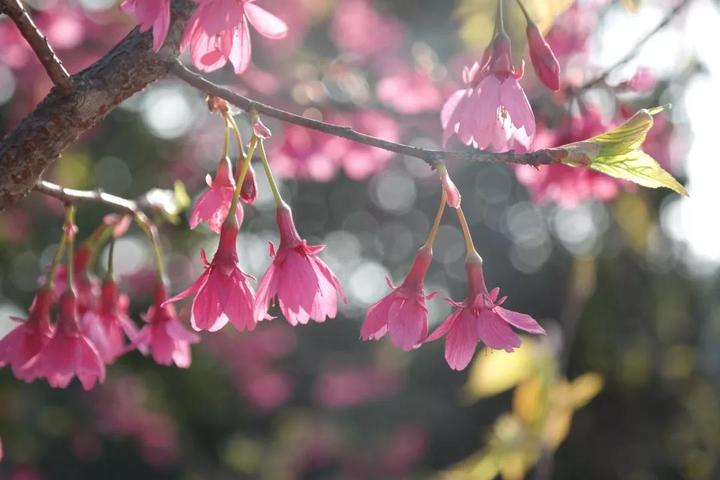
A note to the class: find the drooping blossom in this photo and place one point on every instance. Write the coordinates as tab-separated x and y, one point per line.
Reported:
218	32
492	111
563	184
305	287
69	352
153	14
223	292
402	312
164	337
213	205
19	347
480	318
108	326
542	57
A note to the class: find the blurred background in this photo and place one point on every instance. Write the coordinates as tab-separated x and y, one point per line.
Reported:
625	280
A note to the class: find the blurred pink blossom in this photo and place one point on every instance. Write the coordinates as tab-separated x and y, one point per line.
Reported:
348	388
359	28
409	92
21	345
164	337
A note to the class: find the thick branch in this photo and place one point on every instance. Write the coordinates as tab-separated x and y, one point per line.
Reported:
59	120
431	157
39	43
632	52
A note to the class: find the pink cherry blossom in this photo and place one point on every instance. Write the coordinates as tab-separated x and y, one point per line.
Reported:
304	285
213	205
164	337
492	111
480	318
222	292
218	32
402	312
153	14
542	57
108	326
69	352
19	347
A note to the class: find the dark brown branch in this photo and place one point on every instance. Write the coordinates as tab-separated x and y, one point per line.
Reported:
59	120
632	52
431	157
39	43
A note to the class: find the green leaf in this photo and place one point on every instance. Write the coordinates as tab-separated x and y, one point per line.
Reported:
639	167
617	153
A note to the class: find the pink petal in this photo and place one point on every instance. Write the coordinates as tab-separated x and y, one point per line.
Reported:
406	322
461	341
522	321
495	332
375	325
267	24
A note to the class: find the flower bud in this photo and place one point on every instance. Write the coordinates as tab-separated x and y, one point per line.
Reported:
542	57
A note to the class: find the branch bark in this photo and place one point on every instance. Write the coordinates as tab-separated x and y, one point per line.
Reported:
39	43
431	157
60	119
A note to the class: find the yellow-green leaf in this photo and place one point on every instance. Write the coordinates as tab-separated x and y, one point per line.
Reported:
638	167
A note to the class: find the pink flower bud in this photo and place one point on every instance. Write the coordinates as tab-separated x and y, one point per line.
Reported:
542	57
260	129
451	191
249	187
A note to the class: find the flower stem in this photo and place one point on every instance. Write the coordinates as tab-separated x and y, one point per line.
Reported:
111	254
500	21
50	282
271	180
436	223
70	244
469	246
242	173
524	11
151	233
238	139
226	144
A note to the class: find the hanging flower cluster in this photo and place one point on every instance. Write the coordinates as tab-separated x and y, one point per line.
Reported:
492	111
218	31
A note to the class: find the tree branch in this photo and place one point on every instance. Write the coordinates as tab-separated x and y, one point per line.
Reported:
632	52
39	43
431	157
59	119
71	195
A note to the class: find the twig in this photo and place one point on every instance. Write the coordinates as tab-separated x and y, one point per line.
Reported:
72	195
39	43
632	52
431	157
